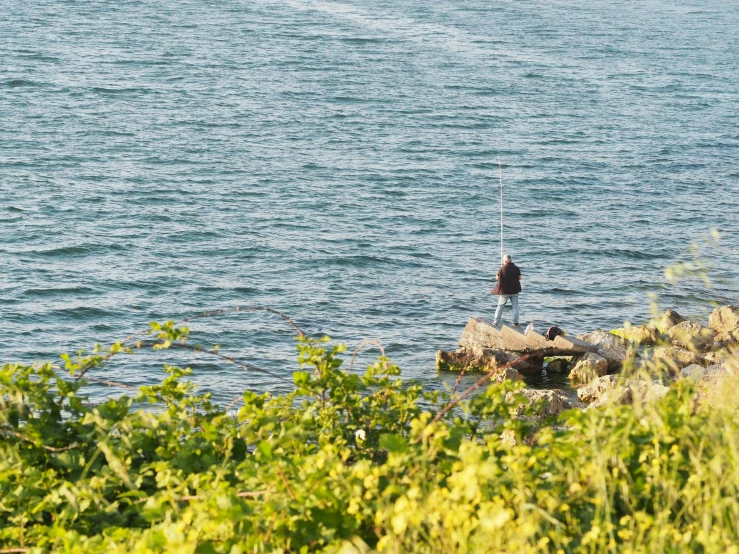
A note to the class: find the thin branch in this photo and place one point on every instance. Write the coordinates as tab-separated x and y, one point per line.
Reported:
247	309
287	485
111	383
13	550
147	331
44	446
459	380
361	346
247	367
233	403
247	494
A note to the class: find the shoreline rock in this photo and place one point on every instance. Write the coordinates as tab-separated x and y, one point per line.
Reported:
608	347
672	349
588	367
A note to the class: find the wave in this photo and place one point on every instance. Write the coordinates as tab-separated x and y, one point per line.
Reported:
57	291
108	90
15	83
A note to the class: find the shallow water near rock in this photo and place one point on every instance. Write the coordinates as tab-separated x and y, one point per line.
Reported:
338	162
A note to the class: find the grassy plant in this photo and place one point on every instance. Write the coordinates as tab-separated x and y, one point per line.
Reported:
354	463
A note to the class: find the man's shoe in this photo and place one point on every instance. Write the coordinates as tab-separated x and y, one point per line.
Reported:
516	325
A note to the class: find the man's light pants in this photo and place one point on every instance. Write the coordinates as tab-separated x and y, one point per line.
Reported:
502	300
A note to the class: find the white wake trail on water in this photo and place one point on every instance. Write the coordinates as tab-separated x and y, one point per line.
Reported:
430	35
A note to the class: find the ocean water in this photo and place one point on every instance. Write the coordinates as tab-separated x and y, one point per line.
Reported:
337	161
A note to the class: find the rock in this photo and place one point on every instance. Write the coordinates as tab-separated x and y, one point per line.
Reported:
674	358
633	391
691	335
596	388
641	334
726	338
668	320
716	372
616	395
508	374
655	392
558	365
554	401
515	339
693	370
717	356
608	347
482	360
481	333
588	367
572	344
724	319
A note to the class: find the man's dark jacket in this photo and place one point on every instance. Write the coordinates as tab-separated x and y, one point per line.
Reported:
508	282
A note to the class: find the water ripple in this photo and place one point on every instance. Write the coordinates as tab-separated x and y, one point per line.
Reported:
338	161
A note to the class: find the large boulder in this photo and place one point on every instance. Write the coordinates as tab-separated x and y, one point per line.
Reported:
691	335
481	333
632	391
655	392
558	365
673	359
641	334
724	319
718	356
710	373
507	374
694	370
554	401
597	388
483	360
588	367
717	372
610	390
668	320
726	338
608	347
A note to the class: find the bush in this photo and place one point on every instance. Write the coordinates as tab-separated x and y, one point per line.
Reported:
350	463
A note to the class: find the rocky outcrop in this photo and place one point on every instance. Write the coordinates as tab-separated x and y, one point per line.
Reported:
668	320
711	373
612	391
693	370
485	347
553	402
608	347
597	388
485	360
558	365
674	358
726	338
691	335
717	372
507	374
588	367
655	392
481	333
641	334
724	319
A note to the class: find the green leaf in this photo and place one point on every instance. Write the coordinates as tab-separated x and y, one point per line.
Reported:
393	443
265	449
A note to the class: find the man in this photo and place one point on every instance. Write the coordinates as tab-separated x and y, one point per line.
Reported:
507	288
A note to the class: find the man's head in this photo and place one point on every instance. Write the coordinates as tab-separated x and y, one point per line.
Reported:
507	259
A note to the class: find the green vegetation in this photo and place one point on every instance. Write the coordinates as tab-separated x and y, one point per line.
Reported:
355	463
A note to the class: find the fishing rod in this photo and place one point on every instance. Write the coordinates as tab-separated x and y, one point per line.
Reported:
500	174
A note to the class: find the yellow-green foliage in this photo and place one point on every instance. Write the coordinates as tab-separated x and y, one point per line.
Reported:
351	463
